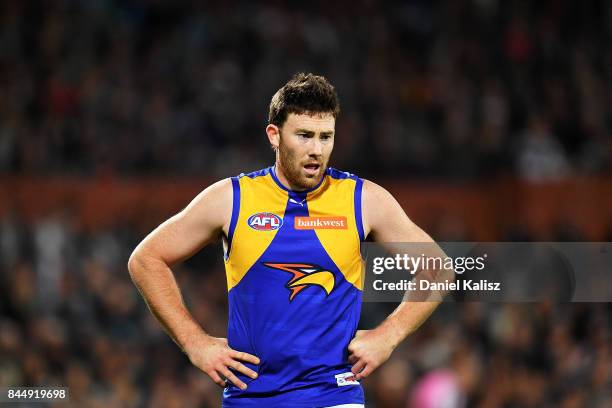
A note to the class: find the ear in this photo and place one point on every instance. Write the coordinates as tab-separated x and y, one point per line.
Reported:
273	133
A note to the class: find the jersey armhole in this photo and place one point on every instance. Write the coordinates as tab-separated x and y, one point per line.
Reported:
357	205
235	213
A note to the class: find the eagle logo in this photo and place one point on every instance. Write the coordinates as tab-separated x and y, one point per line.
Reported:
304	275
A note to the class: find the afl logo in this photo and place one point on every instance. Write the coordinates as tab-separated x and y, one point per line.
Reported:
265	221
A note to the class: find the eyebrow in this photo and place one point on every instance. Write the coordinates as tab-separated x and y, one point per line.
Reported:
310	132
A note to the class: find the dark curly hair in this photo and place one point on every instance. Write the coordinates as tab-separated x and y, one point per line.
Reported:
304	93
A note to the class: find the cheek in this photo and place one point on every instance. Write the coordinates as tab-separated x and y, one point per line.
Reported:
290	155
299	152
329	148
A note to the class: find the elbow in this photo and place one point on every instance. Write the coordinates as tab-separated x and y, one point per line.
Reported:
134	263
142	262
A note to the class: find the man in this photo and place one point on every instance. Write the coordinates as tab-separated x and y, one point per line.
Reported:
292	235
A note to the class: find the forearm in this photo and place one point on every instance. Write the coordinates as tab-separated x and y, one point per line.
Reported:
157	285
405	319
416	307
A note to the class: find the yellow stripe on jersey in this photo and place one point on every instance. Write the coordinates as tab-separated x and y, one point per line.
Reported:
257	195
336	198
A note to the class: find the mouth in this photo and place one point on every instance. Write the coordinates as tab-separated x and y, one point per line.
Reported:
312	168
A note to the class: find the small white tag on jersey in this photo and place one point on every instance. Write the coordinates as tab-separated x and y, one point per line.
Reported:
346	379
300	203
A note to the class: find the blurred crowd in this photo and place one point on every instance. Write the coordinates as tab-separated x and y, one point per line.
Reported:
465	89
70	316
452	89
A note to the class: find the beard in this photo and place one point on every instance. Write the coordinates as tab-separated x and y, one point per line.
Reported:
293	169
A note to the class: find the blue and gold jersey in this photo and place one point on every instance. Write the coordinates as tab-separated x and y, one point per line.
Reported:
294	276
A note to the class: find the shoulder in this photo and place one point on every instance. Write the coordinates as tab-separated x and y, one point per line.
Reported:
373	189
341	175
377	201
219	191
379	207
213	205
254	174
374	193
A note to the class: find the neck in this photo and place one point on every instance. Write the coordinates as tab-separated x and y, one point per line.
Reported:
280	175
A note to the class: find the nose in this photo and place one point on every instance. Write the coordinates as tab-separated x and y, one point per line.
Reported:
317	147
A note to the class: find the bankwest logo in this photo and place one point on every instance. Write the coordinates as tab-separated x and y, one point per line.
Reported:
307	223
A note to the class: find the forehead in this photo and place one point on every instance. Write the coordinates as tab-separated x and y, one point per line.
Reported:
318	123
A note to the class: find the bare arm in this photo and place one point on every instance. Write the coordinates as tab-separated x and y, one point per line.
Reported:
386	222
204	220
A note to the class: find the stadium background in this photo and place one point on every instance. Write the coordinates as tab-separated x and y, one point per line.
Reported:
489	120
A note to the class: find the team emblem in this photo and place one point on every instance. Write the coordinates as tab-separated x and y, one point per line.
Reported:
265	221
305	275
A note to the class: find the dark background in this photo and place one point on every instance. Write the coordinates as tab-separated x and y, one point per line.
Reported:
489	120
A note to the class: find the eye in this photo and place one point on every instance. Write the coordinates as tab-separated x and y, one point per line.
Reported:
326	137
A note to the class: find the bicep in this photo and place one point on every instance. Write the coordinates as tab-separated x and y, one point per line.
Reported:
385	219
198	224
